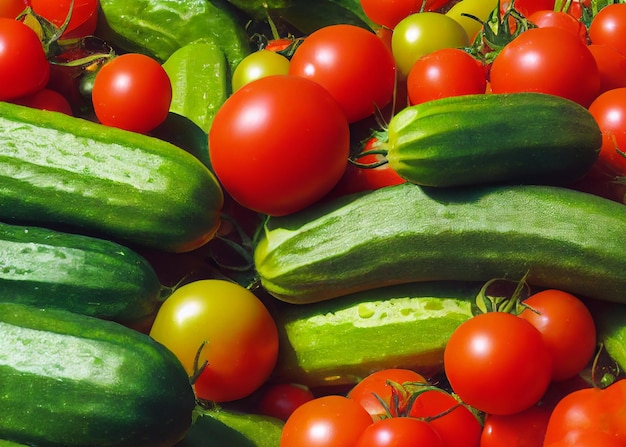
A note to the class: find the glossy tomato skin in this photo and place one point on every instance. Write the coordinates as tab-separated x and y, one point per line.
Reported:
559	19
24	67
547	60
526	428
280	400
567	327
443	73
279	144
132	92
257	65
230	327
400	432
46	99
352	63
82	22
498	363
327	421
389	13
608	27
611	65
609	111
10	9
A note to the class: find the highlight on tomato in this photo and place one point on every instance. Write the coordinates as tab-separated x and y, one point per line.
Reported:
609	111
608	27
259	64
223	334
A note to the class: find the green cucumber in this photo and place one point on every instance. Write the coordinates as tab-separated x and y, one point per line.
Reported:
91	276
561	238
76	175
496	138
69	380
610	319
340	341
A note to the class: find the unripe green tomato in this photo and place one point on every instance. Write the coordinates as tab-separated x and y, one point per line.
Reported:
257	65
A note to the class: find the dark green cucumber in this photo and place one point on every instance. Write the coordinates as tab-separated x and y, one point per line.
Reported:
495	138
91	276
610	319
562	238
70	173
69	380
340	341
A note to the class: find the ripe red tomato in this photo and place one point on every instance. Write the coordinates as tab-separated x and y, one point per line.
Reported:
609	110
45	99
388	13
498	363
527	428
352	63
445	72
608	27
567	327
11	8
327	421
132	92
281	399
24	67
559	19
611	65
399	432
279	144
82	22
548	60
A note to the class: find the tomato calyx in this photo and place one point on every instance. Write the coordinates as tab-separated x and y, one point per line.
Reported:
496	296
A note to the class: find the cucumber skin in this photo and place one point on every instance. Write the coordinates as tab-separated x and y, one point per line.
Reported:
76	175
562	238
338	342
46	268
68	380
496	138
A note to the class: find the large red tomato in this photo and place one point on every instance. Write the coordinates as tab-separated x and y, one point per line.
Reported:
609	110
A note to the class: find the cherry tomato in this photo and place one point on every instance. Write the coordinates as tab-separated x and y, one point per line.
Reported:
229	327
45	99
548	60
611	65
83	19
10	9
132	92
587	414
352	63
281	399
559	19
24	67
399	432
389	13
609	110
527	428
567	328
608	27
526	7
279	144
422	33
445	72
498	363
327	421
257	65
278	44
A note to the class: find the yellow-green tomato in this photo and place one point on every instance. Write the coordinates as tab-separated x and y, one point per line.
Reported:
422	33
481	9
258	65
228	328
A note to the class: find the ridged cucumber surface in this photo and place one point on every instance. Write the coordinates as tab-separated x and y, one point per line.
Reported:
561	238
70	173
340	341
90	276
68	380
495	138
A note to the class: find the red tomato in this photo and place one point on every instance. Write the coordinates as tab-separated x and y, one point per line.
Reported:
352	63
445	72
132	92
567	328
399	432
608	27
82	22
281	399
548	60
498	363
378	387
10	9
328	421
559	19
526	428
611	65
45	99
589	413
24	67
609	110
279	144
526	7
389	13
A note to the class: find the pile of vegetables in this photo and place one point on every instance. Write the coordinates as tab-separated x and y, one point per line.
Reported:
325	223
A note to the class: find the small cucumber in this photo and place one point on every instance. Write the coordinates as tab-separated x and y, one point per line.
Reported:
340	341
495	138
69	380
96	277
76	175
561	238
610	319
